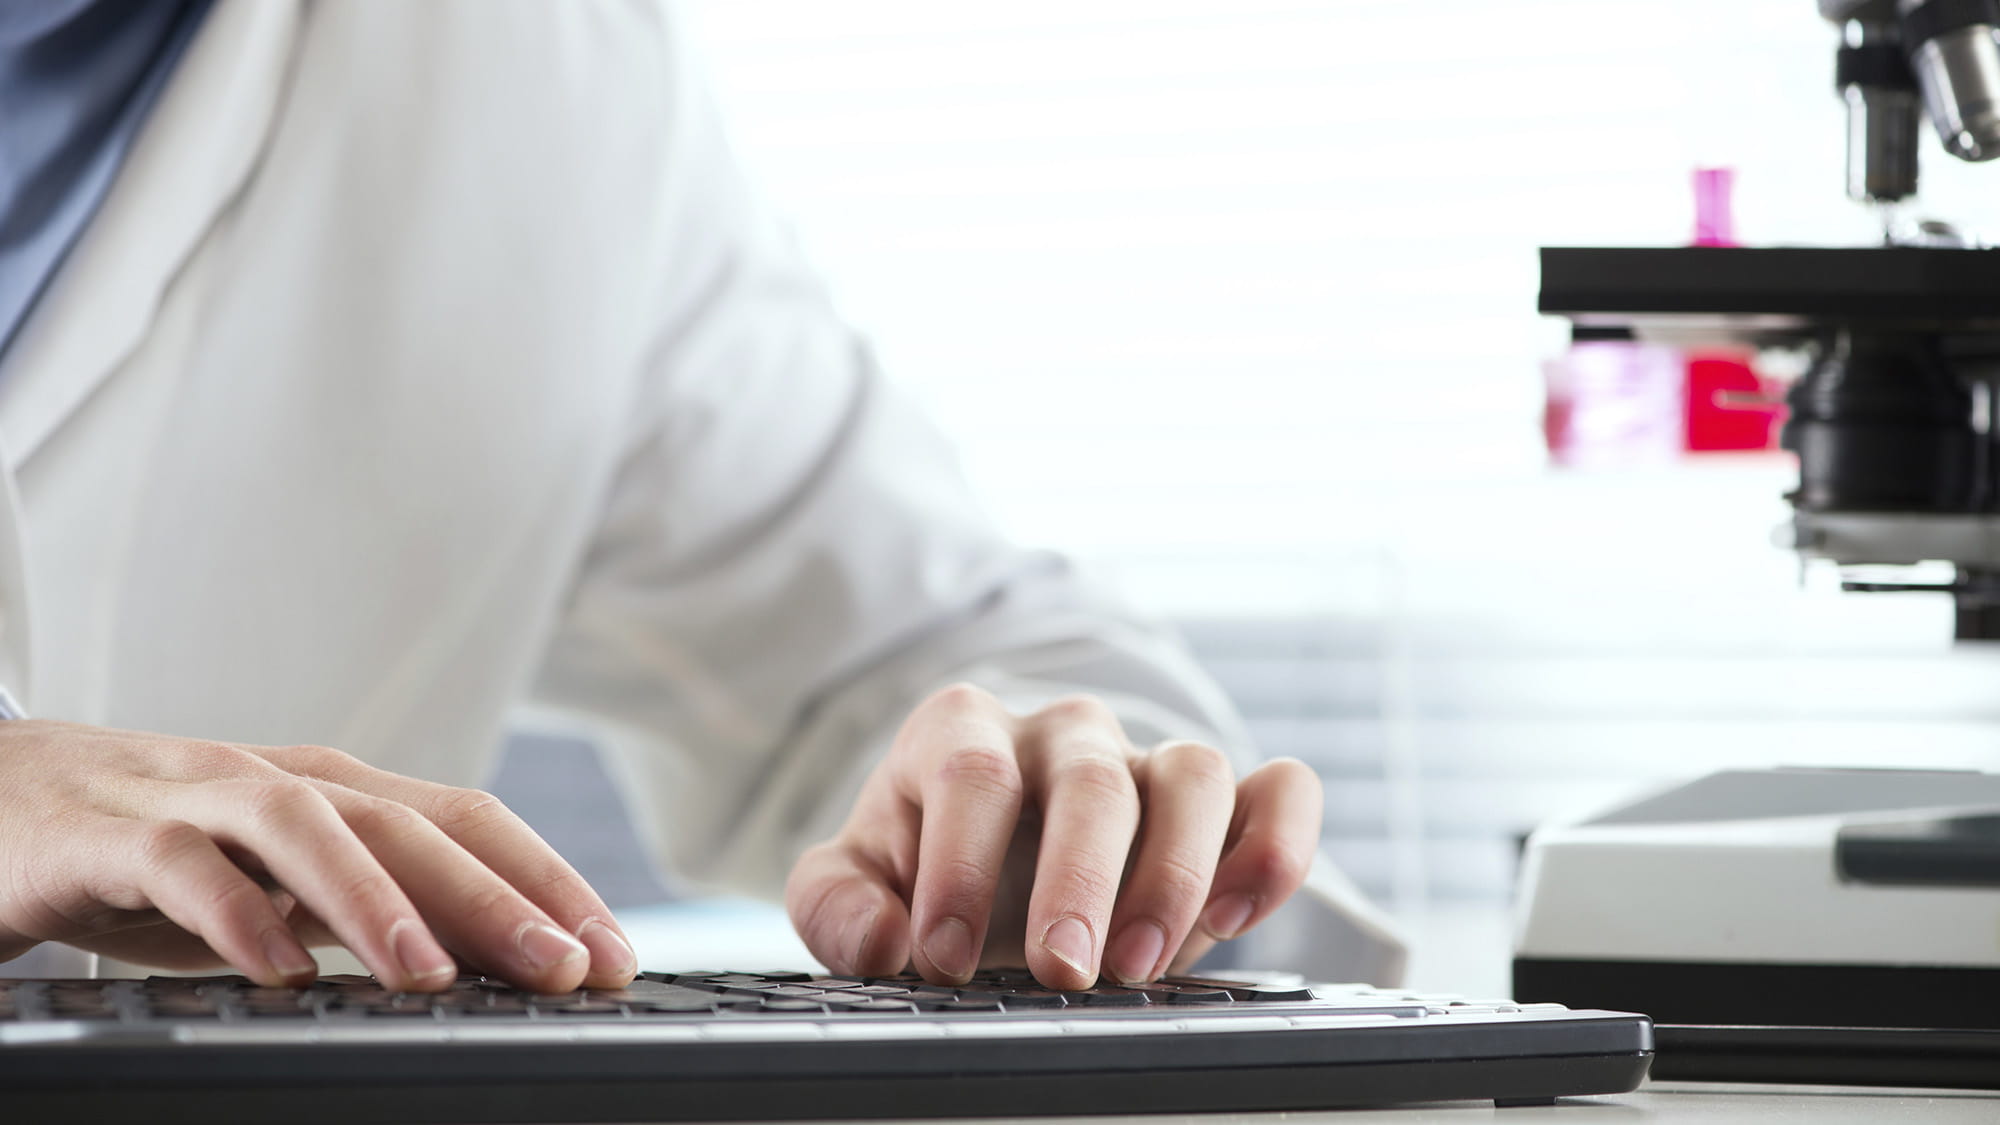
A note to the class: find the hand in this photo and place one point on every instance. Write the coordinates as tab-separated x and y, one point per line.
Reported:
187	854
989	839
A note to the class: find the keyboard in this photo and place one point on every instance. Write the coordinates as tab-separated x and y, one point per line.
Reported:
728	1045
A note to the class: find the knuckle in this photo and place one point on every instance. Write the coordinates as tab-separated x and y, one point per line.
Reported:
1196	763
981	769
1181	875
552	881
377	815
825	873
963	878
493	899
1284	775
279	803
318	760
1100	779
367	888
1291	771
1078	709
164	845
203	758
808	878
963	697
1081	881
811	906
238	899
1273	864
469	811
820	855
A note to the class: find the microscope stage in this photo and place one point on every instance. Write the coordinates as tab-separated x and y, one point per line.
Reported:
1771	294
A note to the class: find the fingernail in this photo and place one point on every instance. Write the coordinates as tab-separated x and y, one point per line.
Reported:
1069	939
419	953
1225	916
1135	953
854	939
948	947
543	946
608	951
283	953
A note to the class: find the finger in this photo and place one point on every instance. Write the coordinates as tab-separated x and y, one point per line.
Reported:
955	761
148	937
163	944
1189	793
181	872
483	826
846	910
293	831
1269	850
472	910
312	930
1075	755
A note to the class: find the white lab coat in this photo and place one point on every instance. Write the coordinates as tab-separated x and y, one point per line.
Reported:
426	360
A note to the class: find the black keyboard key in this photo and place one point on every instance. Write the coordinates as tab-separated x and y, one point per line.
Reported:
873	1004
583	1007
746	1003
72	1010
342	998
1247	990
1197	996
973	1002
465	1001
1032	1001
271	1006
364	1001
677	1004
1169	991
1110	998
1271	993
796	992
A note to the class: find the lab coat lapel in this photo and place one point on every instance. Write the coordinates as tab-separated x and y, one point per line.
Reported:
196	148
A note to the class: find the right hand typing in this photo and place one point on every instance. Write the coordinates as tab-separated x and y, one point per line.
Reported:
189	854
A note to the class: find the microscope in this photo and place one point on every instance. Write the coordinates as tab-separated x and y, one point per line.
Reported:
1752	900
1894	422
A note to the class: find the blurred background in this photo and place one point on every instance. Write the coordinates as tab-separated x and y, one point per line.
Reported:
1236	302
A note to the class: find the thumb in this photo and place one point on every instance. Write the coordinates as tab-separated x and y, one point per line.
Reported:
846	911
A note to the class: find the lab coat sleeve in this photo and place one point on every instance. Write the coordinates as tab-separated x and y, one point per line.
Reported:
789	559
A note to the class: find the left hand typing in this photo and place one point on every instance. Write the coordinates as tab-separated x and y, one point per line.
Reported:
984	839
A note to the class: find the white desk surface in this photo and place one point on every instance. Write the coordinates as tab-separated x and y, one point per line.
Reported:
1679	1103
